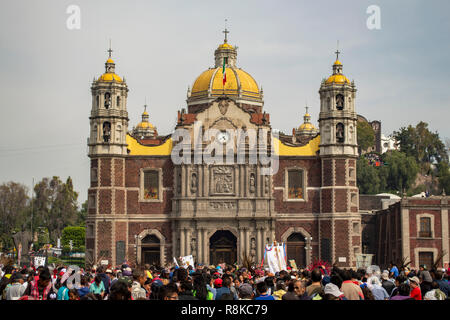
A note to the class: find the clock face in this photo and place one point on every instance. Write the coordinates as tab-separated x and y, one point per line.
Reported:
223	137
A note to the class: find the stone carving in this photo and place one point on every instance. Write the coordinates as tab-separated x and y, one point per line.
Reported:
223	106
222	179
107	100
252	187
194	182
266	184
253	248
222	205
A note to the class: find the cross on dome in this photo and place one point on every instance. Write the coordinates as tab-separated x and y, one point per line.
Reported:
226	31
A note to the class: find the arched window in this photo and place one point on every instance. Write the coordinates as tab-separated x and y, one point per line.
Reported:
107	100
106	131
340	102
340	136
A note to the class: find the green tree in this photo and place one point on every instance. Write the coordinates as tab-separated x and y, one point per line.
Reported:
444	177
366	136
14	211
422	144
76	234
400	172
368	178
82	213
55	205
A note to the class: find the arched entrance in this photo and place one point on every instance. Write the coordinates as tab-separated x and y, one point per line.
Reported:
295	249
150	250
222	247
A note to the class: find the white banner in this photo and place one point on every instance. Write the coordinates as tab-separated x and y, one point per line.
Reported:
275	255
187	261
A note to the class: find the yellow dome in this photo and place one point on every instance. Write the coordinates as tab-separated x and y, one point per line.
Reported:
338	78
144	125
110	60
307	127
338	63
212	80
225	46
109	77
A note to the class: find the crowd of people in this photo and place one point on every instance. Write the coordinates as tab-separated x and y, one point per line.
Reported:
221	283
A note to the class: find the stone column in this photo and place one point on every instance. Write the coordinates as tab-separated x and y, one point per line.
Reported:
183	181
199	245
182	242
247	241
258	246
188	242
241	252
205	247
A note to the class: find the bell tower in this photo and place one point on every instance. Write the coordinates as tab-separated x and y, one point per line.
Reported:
109	116
107	151
340	238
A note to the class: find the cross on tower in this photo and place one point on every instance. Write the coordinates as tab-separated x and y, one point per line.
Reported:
226	31
337	51
110	50
306	109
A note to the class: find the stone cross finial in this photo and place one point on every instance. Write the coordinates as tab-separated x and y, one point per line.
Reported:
226	31
110	50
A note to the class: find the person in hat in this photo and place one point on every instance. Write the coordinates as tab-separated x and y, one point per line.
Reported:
15	289
415	293
332	292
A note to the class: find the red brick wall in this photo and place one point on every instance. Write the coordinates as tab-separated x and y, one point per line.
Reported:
326	200
340	200
120	201
104	233
327	172
105	199
312	167
118	172
341	241
105	172
340	172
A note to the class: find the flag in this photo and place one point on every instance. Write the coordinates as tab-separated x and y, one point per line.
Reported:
224	80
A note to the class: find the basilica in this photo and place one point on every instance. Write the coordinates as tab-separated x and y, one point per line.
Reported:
144	207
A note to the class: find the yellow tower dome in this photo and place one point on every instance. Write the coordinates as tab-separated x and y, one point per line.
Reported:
110	68
145	129
236	83
337	77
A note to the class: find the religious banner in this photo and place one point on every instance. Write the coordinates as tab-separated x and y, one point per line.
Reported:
275	256
293	265
187	261
175	261
39	260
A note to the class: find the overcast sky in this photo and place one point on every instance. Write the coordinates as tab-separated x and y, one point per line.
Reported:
401	71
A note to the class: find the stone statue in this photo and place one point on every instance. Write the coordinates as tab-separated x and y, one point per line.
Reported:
194	183
252	183
253	248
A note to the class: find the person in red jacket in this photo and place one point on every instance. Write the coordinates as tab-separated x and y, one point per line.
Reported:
414	283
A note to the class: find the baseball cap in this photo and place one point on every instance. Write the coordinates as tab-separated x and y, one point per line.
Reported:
218	282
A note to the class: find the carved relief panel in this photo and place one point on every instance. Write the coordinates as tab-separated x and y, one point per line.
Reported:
222	180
